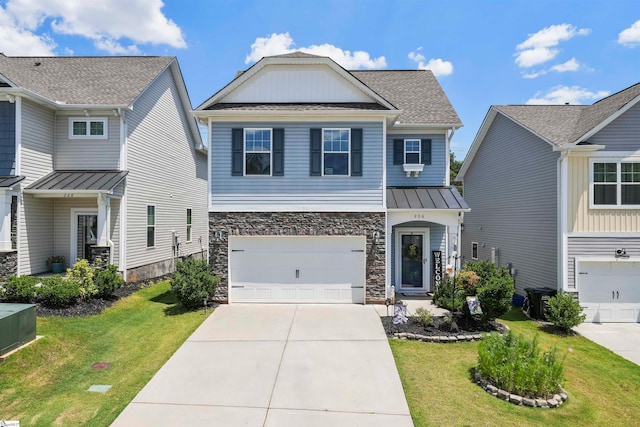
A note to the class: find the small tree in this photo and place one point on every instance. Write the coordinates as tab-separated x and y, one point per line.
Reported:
564	312
495	296
193	282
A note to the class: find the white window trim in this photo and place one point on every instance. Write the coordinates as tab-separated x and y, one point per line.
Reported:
155	228
592	183
348	174
245	152
404	159
474	244
189	230
88	120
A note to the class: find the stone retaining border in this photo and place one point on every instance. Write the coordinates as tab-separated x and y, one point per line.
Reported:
438	338
554	402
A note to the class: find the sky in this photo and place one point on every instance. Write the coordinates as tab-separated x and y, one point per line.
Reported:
482	52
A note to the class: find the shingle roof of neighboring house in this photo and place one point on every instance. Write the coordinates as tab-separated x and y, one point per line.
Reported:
416	92
111	80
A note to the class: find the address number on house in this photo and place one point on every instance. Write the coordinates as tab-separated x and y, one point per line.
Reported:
68	195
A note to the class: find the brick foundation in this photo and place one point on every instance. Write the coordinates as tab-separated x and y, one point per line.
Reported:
225	224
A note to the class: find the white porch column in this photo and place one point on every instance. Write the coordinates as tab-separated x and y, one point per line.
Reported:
104	209
5	221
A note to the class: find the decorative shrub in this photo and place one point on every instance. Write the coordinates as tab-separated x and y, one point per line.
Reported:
107	280
495	296
58	292
423	317
516	364
468	281
19	289
193	282
83	273
564	312
486	270
447	297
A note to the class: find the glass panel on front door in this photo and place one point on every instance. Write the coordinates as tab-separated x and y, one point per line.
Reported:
412	248
87	232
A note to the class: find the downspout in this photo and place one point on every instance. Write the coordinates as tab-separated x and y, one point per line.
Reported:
123	200
563	241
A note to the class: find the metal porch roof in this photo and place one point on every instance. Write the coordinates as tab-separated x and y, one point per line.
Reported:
78	180
425	198
9	181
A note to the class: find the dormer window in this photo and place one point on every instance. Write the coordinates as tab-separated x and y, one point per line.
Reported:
87	128
412	151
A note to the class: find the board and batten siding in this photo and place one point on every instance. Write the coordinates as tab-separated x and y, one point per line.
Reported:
63	223
35	214
511	188
165	170
437	242
584	219
622	134
432	175
101	154
601	247
296	187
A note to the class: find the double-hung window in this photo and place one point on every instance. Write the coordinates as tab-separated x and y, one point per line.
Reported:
188	225
412	151
474	250
87	128
257	151
615	184
151	226
335	151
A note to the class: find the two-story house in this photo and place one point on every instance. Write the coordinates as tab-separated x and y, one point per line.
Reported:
99	157
555	193
328	185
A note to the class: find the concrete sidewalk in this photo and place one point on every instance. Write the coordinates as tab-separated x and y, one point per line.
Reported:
277	365
621	338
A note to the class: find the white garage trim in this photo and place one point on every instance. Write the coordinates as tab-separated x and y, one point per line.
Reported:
609	288
297	269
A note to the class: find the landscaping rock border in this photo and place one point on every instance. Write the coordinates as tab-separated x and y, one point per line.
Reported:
438	338
554	402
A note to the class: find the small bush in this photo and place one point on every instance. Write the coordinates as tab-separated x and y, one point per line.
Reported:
107	280
486	270
516	364
19	289
83	273
58	292
564	312
193	282
447	297
423	317
495	296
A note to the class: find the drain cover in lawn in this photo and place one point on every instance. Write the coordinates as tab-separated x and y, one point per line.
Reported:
99	388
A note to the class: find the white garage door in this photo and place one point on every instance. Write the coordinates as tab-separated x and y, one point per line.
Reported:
297	269
610	290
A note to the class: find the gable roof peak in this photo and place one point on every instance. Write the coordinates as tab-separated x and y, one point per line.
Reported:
296	54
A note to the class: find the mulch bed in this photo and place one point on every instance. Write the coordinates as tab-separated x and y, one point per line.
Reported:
442	328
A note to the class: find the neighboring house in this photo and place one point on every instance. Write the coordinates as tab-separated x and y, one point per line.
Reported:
99	157
329	185
555	193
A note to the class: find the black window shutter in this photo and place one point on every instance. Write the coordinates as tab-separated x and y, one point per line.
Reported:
316	152
278	152
237	151
398	151
425	147
356	152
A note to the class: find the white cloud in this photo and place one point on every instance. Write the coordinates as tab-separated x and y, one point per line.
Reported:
534	74
105	22
631	36
438	66
567	94
570	65
277	44
540	47
20	41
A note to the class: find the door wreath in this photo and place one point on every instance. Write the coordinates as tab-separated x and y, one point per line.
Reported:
412	252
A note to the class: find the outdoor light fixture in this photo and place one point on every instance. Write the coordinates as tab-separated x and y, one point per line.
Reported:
217	236
376	237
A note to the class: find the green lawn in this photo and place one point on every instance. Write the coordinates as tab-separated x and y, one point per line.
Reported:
46	383
604	389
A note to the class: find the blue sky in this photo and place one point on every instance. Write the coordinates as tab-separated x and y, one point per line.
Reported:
484	52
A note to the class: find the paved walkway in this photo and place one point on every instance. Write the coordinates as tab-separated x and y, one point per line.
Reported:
621	338
277	365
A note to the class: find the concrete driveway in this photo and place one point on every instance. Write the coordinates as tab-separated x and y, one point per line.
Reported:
277	365
621	338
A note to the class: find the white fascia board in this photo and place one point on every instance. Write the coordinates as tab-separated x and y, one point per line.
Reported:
293	61
68	193
7	80
295	208
308	115
407	128
606	122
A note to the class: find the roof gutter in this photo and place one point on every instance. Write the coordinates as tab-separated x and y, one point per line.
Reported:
60	104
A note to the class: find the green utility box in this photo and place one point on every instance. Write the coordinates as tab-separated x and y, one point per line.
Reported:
17	326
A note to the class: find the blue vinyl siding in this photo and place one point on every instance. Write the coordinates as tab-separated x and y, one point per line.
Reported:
622	133
437	242
296	187
7	138
432	175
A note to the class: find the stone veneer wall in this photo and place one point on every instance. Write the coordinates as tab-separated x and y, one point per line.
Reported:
102	252
8	264
224	224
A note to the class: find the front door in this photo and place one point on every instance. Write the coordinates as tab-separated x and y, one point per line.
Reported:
412	260
84	232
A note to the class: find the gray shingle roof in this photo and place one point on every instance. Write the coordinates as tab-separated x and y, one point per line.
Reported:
564	124
416	92
79	180
425	198
108	80
296	106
